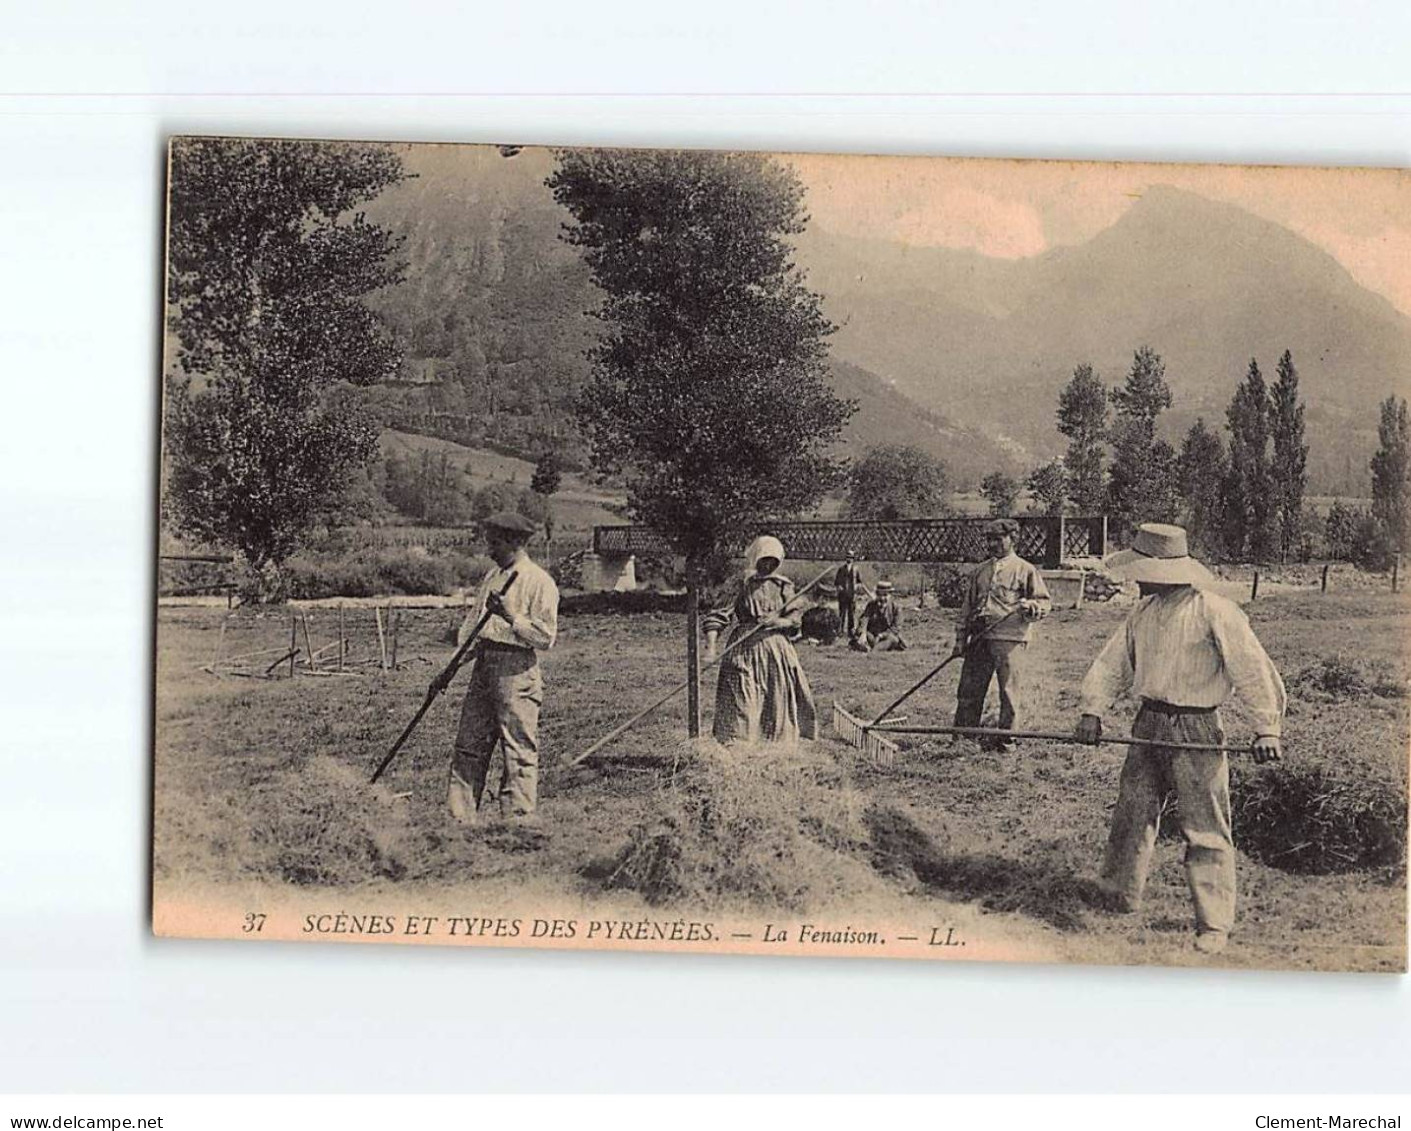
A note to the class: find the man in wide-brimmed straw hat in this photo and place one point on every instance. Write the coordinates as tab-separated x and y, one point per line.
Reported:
1182	651
501	708
1002	598
879	630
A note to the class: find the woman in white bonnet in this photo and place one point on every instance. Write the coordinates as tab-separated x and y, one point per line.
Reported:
762	693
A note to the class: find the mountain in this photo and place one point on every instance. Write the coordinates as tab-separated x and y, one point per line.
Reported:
885	416
990	343
492	317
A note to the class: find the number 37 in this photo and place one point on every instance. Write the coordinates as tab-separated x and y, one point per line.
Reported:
254	922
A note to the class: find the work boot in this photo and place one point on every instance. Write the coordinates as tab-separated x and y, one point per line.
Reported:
1211	942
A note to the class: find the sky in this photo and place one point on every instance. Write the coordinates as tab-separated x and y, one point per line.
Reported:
1016	209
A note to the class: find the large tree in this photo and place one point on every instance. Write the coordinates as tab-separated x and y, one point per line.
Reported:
1001	492
897	481
1251	505
1141	484
1082	417
707	390
268	265
1048	484
1391	474
1289	467
1201	470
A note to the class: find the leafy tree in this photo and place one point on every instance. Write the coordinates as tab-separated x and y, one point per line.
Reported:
1141	484
1049	486
1201	471
1289	469
1001	491
1082	417
708	389
268	272
548	474
1391	470
1251	508
898	481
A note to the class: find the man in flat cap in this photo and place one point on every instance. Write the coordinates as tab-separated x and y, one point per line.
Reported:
1182	651
879	630
501	709
1002	599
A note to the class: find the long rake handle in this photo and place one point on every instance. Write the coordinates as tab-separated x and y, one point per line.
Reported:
432	692
637	718
929	676
1053	736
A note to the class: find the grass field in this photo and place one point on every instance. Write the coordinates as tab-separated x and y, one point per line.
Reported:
260	783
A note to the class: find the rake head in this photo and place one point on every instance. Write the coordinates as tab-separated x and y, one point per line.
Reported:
880	750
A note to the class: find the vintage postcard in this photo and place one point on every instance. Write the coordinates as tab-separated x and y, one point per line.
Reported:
784	554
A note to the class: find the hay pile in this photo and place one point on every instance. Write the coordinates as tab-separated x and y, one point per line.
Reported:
1316	818
324	826
740	825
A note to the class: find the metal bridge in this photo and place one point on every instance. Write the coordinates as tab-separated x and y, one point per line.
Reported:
1043	539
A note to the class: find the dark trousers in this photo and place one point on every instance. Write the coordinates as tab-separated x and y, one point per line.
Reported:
846	615
1001	660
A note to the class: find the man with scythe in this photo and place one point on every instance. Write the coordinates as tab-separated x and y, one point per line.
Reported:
501	708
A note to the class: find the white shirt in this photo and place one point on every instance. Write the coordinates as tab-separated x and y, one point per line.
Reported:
1190	648
532	601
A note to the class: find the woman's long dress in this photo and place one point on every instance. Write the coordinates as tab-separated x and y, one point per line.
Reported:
762	693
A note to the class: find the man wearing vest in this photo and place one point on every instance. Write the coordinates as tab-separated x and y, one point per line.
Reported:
501	709
1001	600
1182	652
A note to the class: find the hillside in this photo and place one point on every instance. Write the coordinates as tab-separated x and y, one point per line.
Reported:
493	319
1208	285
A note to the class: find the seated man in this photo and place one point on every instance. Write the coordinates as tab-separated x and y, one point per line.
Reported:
879	630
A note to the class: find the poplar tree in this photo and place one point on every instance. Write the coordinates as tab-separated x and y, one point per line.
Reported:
1251	505
1289	467
1082	417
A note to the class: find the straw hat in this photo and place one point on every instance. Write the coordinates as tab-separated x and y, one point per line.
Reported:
1159	555
765	546
884	587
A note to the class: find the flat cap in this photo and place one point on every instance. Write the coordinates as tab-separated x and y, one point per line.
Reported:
1002	526
510	521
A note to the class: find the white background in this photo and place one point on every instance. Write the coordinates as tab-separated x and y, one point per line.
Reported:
88	93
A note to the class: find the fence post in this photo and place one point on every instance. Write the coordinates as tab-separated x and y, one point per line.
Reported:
1082	588
1395	572
394	617
1254	589
342	647
381	636
1324	585
308	644
293	640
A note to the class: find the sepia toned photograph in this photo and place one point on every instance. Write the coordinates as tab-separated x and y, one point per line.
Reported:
785	554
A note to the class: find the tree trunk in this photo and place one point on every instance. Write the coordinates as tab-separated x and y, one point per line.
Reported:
693	653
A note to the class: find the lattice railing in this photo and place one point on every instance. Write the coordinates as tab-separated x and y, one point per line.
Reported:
1044	540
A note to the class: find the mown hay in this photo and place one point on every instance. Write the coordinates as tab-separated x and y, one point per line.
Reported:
1315	818
326	828
1341	677
764	826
